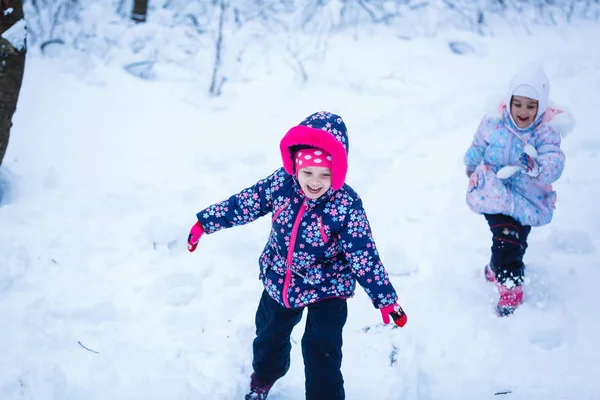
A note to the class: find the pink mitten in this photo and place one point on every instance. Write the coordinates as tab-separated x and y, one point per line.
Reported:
394	311
194	236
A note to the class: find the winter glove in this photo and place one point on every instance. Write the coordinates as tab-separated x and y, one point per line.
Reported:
195	233
394	311
529	166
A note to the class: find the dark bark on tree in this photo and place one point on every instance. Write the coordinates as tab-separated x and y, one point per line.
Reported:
140	10
217	81
12	66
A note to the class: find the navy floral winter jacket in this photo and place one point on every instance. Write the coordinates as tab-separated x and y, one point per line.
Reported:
316	249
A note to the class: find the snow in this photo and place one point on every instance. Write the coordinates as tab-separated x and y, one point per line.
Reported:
16	34
99	298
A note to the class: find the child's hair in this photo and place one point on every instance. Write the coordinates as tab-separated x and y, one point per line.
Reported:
297	147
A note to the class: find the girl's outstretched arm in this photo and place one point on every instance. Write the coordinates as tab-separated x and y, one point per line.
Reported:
243	207
361	252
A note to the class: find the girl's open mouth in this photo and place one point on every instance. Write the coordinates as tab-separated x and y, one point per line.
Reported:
313	190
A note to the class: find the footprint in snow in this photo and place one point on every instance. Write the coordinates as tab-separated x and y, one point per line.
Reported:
573	242
547	340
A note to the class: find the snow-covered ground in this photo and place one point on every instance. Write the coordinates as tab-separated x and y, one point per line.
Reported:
99	298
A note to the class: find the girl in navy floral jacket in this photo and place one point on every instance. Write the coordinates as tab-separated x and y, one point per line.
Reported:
320	245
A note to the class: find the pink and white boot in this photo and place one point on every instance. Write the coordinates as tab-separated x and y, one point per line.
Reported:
259	389
511	294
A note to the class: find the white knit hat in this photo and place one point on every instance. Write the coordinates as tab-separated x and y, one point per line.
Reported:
526	91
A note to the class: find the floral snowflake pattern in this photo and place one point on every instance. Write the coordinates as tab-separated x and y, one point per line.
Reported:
317	248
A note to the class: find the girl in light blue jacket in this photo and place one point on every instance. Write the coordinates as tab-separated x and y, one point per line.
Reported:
514	158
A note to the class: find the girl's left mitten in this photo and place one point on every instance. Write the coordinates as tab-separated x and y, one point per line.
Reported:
397	314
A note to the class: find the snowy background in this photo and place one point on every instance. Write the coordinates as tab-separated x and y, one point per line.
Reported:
99	298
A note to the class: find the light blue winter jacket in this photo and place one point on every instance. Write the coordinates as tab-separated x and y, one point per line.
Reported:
498	143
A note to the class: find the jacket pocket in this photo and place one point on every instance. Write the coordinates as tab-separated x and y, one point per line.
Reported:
489	195
279	210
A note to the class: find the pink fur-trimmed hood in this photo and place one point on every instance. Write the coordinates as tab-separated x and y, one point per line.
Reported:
323	130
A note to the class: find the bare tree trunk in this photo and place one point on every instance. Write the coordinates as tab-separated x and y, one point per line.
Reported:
140	10
218	79
12	66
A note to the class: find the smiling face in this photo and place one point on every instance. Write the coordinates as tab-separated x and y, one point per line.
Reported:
523	110
314	181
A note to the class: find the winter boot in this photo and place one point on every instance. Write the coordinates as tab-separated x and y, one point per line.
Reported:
259	389
490	276
510	298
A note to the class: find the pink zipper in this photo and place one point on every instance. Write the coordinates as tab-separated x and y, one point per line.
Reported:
322	230
290	257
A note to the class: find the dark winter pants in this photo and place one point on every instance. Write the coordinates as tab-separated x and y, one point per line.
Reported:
509	243
321	344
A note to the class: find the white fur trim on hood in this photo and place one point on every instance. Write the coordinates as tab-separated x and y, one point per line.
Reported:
557	117
562	121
